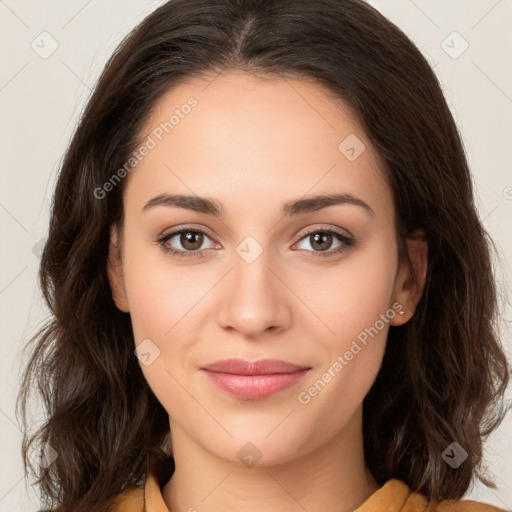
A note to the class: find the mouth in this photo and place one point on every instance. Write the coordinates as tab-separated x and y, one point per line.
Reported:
254	380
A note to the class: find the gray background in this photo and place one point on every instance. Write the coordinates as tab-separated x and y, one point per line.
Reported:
42	95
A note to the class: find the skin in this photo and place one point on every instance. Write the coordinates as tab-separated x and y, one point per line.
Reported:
253	144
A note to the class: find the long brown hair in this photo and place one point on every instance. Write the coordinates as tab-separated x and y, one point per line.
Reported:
444	372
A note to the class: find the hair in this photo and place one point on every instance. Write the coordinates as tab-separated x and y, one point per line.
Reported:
444	373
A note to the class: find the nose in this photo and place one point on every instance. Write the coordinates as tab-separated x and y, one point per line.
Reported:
254	297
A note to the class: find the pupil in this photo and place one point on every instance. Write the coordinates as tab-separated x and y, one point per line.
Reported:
321	238
187	240
322	241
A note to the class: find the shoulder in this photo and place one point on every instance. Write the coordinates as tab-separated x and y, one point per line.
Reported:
396	496
141	499
131	500
465	506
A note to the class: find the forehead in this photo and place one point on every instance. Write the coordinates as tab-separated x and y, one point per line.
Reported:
238	135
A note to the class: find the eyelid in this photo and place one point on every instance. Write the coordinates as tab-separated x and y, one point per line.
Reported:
179	229
167	235
308	231
327	228
346	239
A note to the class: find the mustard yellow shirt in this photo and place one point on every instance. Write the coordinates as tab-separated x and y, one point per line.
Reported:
394	496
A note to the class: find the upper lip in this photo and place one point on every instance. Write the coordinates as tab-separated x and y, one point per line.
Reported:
260	367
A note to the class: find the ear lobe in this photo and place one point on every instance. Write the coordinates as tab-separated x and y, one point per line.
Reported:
115	271
411	276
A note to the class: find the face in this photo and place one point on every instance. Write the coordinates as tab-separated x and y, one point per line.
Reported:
262	270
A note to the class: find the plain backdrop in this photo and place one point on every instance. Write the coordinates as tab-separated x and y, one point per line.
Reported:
52	53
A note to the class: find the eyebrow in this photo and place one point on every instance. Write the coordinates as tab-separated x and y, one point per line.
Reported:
290	208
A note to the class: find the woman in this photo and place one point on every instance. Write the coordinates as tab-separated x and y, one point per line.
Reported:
269	284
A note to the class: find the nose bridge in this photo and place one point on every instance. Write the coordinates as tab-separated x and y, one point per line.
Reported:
253	299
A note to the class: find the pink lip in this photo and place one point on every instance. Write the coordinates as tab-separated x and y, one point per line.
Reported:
254	380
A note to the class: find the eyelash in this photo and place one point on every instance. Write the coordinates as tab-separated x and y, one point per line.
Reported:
178	253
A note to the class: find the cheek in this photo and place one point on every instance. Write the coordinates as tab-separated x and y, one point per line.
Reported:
164	301
357	308
160	295
359	317
346	298
159	300
352	297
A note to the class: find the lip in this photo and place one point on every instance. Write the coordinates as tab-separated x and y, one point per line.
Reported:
254	380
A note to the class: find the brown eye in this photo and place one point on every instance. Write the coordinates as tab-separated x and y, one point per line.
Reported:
191	240
321	241
186	243
325	242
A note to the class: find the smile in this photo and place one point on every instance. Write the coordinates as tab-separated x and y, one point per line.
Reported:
255	387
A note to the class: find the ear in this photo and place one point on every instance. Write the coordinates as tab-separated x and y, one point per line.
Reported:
115	271
411	275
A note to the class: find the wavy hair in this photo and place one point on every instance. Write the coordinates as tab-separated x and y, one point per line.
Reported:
444	373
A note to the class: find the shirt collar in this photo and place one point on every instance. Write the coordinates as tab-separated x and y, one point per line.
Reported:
393	496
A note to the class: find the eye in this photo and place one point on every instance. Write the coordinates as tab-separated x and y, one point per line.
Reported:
321	241
191	241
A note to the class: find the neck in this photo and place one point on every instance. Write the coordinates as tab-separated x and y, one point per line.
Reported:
331	477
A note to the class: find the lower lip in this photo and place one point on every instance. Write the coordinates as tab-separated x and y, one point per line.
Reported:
255	387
